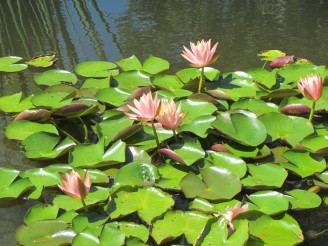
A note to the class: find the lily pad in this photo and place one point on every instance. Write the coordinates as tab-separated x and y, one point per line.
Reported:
302	199
55	77
43	60
265	176
96	69
149	202
40	212
21	129
13	103
213	184
242	128
8	64
188	223
131	63
154	65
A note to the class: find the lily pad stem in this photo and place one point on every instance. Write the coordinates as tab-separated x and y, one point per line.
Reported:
84	206
264	64
312	112
201	80
175	135
86	135
155	133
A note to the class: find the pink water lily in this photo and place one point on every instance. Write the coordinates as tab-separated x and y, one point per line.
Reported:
231	213
201	54
75	186
311	87
170	116
144	109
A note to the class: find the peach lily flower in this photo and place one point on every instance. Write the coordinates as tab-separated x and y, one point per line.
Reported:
231	213
201	54
311	87
170	115
74	186
146	109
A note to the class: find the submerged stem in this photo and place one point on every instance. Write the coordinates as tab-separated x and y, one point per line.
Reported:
84	206
312	112
175	135
201	80
86	135
264	64
155	133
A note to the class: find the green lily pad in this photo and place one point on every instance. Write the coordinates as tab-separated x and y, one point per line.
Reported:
270	202
293	72
96	69
131	63
7	64
87	237
13	103
228	161
316	143
188	74
263	77
45	232
169	82
52	99
134	230
270	55
154	65
199	125
93	155
265	176
188	223
283	230
255	105
302	199
303	162
213	184
195	108
50	148
295	129
43	60
241	128
136	174
55	77
131	80
21	129
96	195
40	212
96	83
90	219
113	96
171	176
211	73
149	202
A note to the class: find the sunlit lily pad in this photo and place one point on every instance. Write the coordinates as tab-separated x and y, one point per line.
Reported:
96	69
283	230
55	77
265	176
169	82
52	99
255	105
302	199
22	129
171	176
43	60
131	63
8	64
188	223
303	162
154	65
50	148
270	202
149	202
13	103
213	184
269	55
131	80
90	219
113	96
49	232
240	127
295	128
40	212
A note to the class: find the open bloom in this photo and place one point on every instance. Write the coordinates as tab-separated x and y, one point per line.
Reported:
146	109
201	54
170	115
231	213
311	87
74	186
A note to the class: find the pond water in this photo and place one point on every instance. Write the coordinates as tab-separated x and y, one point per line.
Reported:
112	29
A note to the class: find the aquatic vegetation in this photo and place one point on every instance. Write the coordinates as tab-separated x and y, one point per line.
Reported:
168	164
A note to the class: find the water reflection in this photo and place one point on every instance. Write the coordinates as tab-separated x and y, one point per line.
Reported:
109	30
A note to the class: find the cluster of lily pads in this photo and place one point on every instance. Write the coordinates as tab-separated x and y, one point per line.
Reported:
243	156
